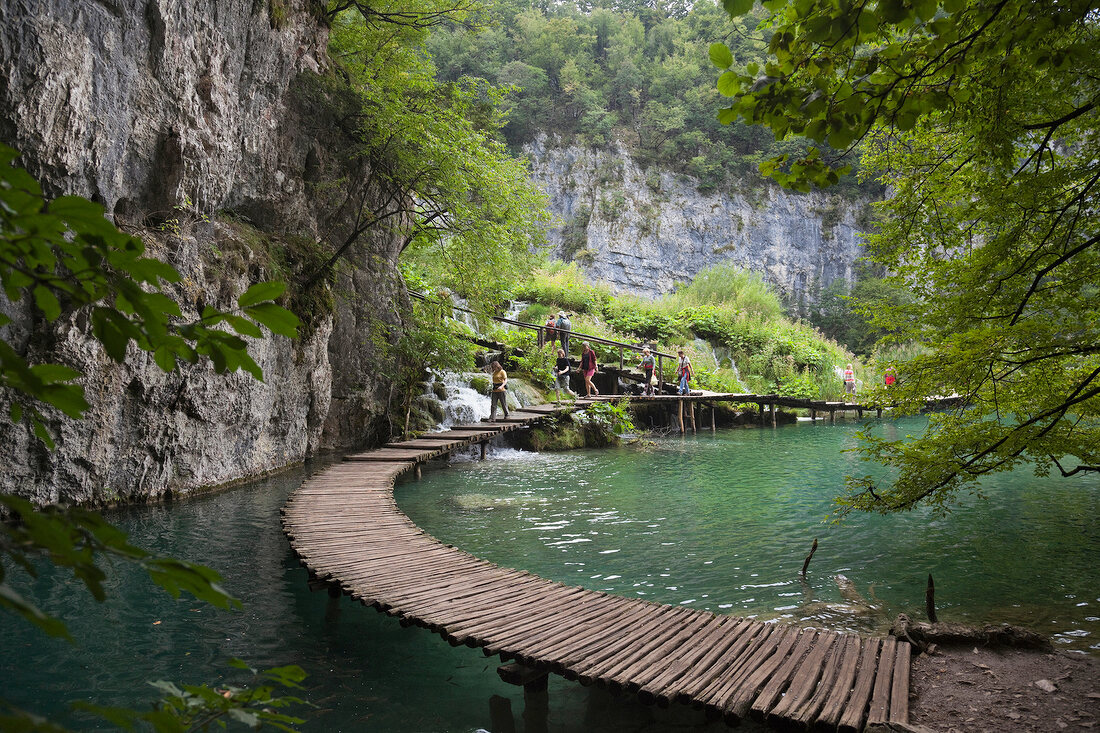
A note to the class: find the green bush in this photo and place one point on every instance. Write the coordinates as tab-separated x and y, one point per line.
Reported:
565	288
733	287
801	384
643	321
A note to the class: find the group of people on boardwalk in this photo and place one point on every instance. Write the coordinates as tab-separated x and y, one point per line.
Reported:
562	368
559	330
889	379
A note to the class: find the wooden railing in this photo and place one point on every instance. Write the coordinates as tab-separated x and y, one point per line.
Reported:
544	336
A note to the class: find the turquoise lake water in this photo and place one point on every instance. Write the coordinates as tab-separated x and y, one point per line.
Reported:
720	522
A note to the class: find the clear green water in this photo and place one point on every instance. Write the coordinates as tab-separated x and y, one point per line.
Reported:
715	522
366	673
724	523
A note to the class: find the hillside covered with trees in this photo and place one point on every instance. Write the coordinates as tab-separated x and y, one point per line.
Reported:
638	73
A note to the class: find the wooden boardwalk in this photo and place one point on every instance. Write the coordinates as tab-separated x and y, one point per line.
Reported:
345	526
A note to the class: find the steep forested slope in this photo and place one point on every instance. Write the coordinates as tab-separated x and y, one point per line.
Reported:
620	71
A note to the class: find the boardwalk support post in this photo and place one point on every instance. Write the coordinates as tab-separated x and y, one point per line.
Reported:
813	414
681	405
773	413
713	406
692	406
484	444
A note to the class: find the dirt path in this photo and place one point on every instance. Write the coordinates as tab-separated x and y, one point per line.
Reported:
970	689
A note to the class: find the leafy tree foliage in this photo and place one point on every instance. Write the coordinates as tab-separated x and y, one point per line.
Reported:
845	311
436	169
982	117
66	258
606	71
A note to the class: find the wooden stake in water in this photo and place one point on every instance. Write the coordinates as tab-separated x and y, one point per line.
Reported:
809	557
930	599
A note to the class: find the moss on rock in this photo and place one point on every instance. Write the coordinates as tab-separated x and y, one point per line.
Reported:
564	434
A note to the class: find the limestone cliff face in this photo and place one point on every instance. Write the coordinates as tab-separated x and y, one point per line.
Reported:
644	232
180	111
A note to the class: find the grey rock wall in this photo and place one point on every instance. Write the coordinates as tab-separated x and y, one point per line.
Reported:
180	109
648	231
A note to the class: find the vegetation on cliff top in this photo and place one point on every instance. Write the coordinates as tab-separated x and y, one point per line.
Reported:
637	73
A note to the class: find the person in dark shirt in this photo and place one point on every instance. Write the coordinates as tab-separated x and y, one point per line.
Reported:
561	376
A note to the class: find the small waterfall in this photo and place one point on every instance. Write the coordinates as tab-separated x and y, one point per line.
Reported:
464	316
722	355
515	307
463	404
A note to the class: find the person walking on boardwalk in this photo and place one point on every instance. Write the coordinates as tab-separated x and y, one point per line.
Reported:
499	391
548	330
563	327
684	372
890	377
849	383
561	376
588	369
647	364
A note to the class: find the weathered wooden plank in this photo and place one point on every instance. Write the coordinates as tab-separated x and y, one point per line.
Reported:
879	710
803	714
764	687
737	666
388	454
565	648
802	684
716	668
631	674
855	710
899	690
552	650
644	639
722	633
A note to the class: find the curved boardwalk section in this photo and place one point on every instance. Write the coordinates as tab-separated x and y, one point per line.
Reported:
345	526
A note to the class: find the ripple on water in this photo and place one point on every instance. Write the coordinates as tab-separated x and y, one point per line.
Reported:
728	520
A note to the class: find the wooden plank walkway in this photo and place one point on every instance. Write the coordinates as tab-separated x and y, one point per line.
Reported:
345	526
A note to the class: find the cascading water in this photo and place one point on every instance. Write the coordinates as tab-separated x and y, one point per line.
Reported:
462	404
460	312
515	307
721	355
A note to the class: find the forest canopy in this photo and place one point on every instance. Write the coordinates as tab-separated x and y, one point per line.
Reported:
633	73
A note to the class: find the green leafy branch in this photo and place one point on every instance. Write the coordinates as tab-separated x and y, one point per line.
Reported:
201	707
65	255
